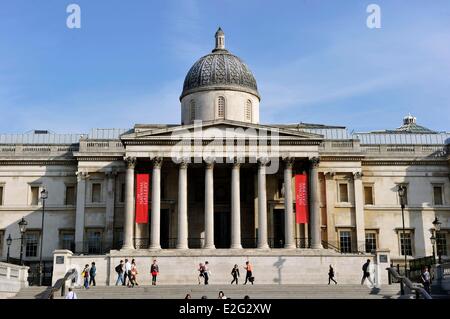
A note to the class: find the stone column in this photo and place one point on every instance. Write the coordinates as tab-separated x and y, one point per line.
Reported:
359	212
182	242
155	217
128	232
330	191
316	242
79	215
209	205
262	204
235	207
288	203
110	204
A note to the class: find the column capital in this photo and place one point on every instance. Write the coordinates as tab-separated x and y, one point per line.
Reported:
314	162
263	161
130	161
157	161
289	161
184	162
330	175
237	162
82	175
357	175
209	161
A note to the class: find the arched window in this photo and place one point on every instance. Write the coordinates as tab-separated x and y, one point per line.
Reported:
192	109
248	110
221	107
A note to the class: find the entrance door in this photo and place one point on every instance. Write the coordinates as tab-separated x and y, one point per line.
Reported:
164	235
222	231
278	228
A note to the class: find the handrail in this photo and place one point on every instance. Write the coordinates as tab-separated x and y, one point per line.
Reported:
61	284
412	286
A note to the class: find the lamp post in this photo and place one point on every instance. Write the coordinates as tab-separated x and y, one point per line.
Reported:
8	242
23	228
44	195
402	194
437	227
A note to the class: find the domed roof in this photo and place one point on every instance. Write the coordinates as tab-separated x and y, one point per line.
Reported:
219	70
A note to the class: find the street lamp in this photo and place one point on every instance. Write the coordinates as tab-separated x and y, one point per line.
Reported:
23	228
44	195
402	195
8	242
437	227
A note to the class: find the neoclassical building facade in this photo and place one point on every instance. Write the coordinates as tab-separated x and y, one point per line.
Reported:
222	180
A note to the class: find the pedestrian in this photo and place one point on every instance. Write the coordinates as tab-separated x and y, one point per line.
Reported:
235	274
249	275
85	275
127	273
119	271
92	274
426	279
246	297
206	272
221	295
331	275
366	273
154	270
134	273
201	271
188	296
71	294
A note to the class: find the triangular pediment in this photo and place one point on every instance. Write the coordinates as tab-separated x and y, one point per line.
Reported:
225	128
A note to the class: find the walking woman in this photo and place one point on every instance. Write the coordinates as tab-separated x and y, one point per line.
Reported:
235	274
85	275
201	270
134	273
154	269
331	275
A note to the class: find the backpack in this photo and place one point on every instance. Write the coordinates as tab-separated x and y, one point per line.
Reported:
119	269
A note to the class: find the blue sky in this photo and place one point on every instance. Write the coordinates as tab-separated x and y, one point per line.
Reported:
315	61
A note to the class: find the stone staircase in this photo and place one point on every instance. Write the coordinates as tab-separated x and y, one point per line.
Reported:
233	292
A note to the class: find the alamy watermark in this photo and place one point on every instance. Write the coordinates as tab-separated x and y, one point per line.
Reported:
73	21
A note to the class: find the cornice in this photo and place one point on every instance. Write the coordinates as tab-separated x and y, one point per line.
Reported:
30	162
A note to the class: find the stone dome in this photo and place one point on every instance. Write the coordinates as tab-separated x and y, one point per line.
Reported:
219	70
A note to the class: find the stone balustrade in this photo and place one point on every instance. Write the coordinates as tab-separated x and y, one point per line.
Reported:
12	279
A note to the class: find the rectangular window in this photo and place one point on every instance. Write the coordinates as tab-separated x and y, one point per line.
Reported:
34	195
2	235
96	193
122	193
1	195
371	242
70	195
343	193
345	241
441	243
368	195
94	241
67	239
31	243
405	243
437	195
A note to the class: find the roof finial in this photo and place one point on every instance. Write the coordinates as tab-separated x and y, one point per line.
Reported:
220	40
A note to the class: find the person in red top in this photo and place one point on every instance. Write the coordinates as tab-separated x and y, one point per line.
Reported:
249	268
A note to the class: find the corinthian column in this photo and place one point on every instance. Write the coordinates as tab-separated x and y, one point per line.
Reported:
156	204
182	207
289	215
316	242
209	205
262	204
129	204
235	207
79	215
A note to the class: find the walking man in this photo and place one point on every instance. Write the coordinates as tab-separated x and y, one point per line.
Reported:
92	273
206	272
127	273
366	273
119	271
426	279
331	275
248	276
235	274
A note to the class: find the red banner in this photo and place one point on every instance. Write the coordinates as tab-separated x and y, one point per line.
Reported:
142	191
301	199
